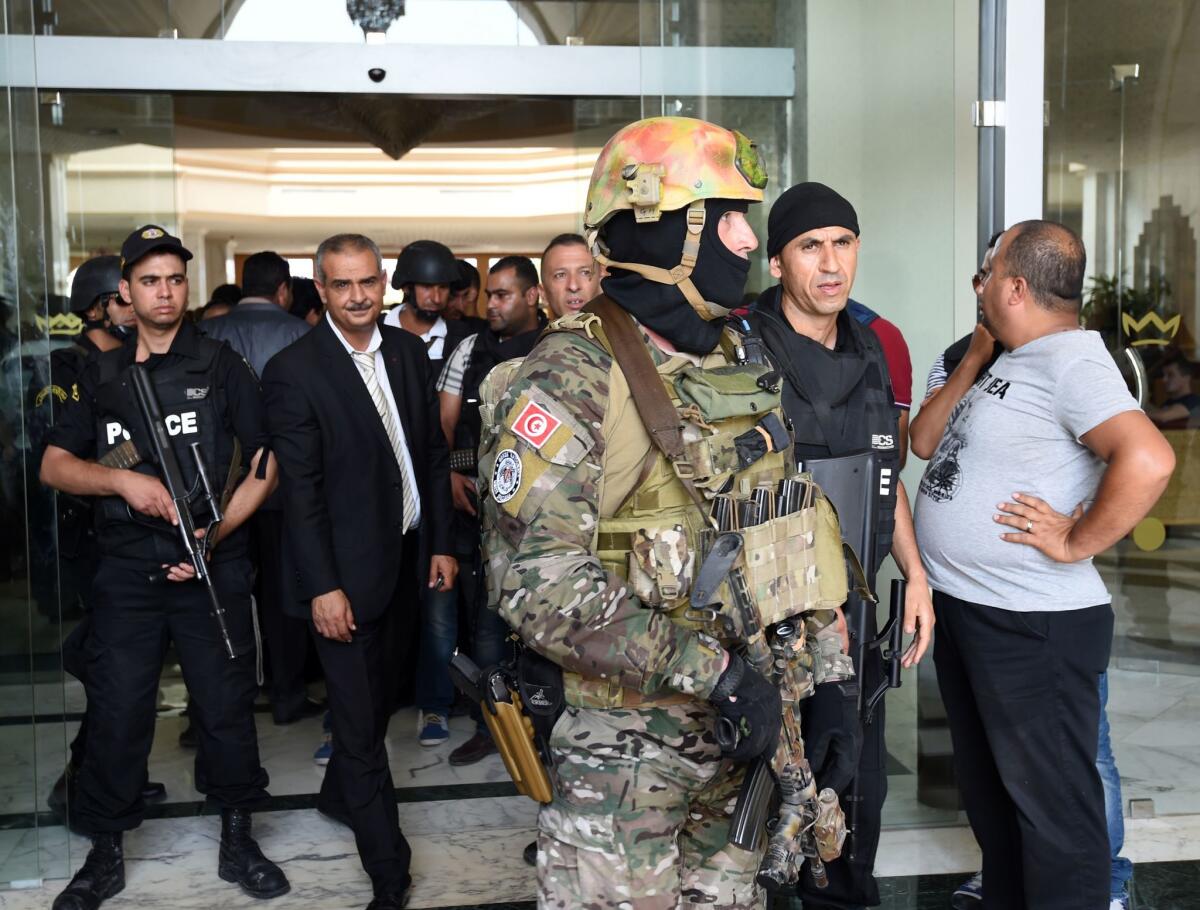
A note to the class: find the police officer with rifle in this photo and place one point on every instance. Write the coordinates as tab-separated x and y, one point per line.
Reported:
164	430
837	395
96	299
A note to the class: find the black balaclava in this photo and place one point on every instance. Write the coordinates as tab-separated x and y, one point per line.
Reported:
123	332
720	274
89	324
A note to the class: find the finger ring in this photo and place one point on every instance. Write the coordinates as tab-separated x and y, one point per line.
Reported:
1028	525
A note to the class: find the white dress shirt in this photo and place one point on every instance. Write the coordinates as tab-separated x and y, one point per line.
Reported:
406	469
435	338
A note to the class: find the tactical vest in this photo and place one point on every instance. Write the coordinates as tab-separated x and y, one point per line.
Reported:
193	405
653	538
955	354
869	412
484	357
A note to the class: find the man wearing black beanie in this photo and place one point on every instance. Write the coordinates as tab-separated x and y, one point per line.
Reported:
838	395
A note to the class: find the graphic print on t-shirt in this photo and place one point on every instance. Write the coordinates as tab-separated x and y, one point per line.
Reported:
943	478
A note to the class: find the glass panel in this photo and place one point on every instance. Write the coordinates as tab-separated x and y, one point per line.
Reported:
237	173
1122	157
889	146
31	692
678	23
80	171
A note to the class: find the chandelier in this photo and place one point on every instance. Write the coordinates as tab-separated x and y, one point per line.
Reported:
374	17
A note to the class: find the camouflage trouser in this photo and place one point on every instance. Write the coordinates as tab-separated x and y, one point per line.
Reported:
641	817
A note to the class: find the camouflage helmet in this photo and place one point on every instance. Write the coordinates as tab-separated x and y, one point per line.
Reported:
663	164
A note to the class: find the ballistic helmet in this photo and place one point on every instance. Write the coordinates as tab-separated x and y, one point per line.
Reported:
425	262
97	277
663	164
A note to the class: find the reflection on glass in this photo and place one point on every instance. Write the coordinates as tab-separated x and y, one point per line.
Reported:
1122	154
696	23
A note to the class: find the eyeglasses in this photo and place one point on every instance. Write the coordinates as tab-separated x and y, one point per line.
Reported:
979	279
117	299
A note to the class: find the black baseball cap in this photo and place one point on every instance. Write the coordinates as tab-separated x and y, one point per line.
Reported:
150	239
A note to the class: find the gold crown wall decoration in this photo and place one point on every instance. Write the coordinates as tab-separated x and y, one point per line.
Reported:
1167	329
60	324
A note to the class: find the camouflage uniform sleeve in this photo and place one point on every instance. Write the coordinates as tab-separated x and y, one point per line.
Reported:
542	491
830	663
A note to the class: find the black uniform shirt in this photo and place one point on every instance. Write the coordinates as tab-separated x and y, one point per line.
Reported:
75	428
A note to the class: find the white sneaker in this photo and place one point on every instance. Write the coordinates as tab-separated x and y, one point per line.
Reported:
1119	903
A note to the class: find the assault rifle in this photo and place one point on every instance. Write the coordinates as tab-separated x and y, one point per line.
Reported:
857	485
808	826
163	455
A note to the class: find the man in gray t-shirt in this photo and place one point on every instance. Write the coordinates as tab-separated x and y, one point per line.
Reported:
1018	429
1045	462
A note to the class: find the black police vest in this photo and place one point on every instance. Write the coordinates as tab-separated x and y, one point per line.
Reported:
861	414
487	351
193	405
955	354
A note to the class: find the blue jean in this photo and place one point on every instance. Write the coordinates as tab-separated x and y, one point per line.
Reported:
439	637
1122	869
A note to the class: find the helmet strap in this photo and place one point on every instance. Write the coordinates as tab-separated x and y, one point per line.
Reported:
680	275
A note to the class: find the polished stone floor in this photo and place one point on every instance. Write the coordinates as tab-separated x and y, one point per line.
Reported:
467	826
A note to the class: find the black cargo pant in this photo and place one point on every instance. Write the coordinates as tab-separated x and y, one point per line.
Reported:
132	621
852	877
1023	704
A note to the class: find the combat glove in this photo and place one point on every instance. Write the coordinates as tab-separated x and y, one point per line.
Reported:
751	712
832	733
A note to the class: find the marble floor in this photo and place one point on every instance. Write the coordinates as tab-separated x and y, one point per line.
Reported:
467	827
466	853
1155	721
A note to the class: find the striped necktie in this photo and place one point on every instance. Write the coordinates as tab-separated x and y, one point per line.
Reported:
365	361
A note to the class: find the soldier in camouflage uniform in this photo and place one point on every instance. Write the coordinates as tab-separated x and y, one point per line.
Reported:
591	536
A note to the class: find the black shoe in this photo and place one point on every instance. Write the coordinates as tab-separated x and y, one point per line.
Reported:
101	876
242	862
397	900
310	707
530	853
154	791
477	748
189	739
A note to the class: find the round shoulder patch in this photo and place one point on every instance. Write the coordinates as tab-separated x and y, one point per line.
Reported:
506	475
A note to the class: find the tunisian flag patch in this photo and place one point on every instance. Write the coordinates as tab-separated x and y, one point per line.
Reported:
535	425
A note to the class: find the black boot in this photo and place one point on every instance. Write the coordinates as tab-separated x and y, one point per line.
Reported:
102	876
242	862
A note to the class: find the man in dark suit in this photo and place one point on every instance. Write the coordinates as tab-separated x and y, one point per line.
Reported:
354	423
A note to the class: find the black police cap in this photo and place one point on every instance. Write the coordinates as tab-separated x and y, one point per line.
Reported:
150	239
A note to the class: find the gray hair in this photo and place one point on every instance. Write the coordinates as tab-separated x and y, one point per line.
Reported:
345	243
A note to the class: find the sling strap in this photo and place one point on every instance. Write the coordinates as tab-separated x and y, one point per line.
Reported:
654	406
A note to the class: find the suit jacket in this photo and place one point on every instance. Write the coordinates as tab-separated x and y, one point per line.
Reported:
342	490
